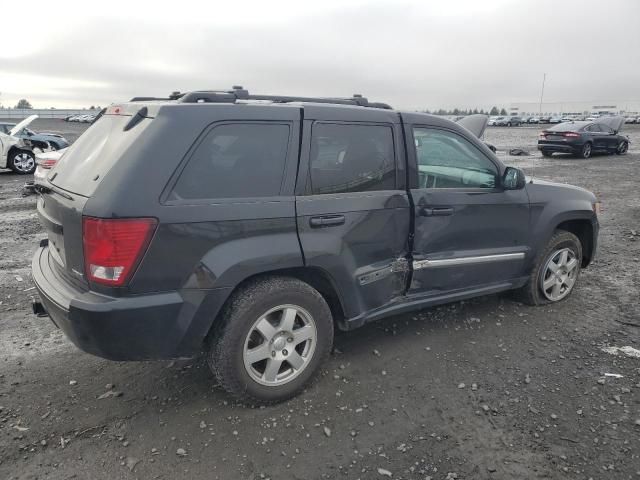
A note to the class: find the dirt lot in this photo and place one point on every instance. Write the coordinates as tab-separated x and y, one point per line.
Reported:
487	388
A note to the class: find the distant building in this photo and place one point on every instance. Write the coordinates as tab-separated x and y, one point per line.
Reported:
626	108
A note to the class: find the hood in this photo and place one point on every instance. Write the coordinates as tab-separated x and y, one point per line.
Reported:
24	123
568	186
476	124
612	122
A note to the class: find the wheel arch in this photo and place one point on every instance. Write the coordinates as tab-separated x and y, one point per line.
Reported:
583	229
314	276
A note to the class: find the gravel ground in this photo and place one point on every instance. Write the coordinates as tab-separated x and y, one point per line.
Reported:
483	389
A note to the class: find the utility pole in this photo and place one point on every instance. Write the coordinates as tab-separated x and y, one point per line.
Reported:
544	77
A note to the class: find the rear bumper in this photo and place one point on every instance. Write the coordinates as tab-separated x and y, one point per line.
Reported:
562	147
142	327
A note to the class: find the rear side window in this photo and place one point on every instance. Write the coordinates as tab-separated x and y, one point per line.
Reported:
351	158
235	160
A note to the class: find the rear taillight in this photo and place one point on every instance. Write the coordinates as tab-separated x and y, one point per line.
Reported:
46	163
542	136
114	247
571	134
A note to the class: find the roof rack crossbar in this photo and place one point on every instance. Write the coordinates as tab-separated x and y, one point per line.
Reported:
239	93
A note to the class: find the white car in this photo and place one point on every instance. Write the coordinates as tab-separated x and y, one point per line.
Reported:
45	161
14	152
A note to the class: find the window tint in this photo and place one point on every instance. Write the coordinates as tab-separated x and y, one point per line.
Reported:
351	158
447	160
236	160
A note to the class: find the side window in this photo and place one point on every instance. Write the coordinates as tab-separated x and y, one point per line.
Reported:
235	160
351	158
447	160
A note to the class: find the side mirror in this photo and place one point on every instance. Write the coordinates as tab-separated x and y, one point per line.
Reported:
513	179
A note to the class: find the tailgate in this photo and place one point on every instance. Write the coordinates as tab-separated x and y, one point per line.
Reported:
60	213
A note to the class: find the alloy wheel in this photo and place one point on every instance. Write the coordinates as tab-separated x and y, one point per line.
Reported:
623	147
586	150
280	345
559	274
24	162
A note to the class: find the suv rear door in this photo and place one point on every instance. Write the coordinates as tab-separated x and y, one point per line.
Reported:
353	211
469	232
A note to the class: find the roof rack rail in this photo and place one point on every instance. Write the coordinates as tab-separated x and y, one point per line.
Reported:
239	93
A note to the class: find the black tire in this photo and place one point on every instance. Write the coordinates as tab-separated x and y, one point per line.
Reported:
586	150
622	147
547	154
532	293
225	353
16	163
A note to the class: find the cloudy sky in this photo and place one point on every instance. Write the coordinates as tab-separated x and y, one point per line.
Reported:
411	54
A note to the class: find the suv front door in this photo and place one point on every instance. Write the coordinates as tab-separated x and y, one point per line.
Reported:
470	233
353	210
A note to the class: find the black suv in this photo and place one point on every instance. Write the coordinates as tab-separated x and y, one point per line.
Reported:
252	226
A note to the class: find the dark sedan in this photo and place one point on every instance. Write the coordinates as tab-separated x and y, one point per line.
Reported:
42	139
584	138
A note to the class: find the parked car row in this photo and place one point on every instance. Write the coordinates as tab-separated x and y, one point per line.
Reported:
514	120
84	118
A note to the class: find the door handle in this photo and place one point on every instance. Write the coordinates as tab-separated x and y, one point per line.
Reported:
327	221
436	212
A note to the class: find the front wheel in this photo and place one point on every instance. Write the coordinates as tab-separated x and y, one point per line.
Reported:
622	147
22	162
274	335
555	272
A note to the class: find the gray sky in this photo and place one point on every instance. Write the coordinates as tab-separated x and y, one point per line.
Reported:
411	54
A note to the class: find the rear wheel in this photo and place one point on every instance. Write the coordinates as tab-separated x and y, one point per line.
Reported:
622	147
555	272
546	153
22	162
586	150
275	334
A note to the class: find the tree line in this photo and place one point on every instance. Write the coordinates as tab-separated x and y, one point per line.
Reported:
24	104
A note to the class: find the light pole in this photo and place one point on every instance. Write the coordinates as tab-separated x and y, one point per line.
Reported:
544	77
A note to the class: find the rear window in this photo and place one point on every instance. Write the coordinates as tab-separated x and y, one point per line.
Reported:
566	127
235	160
87	161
